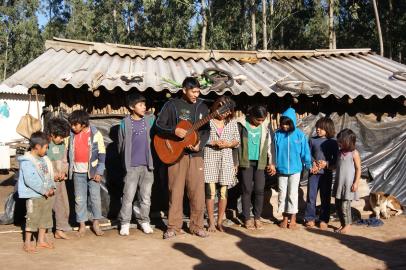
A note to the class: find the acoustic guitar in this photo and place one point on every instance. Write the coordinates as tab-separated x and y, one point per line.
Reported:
171	149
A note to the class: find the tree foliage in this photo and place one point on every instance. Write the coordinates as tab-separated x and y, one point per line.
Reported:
290	24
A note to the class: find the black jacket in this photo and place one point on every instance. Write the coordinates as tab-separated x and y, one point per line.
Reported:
168	119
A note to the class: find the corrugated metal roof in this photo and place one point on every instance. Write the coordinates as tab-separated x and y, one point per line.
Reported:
354	73
18	89
80	46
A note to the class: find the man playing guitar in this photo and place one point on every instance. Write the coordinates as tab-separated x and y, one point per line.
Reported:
189	169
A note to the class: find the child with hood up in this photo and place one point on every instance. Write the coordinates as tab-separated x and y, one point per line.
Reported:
292	155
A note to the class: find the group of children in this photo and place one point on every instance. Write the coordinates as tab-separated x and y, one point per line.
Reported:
227	145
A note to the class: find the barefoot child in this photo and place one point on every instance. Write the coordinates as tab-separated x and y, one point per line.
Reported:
36	183
219	171
134	143
254	157
348	175
57	130
292	156
87	154
324	150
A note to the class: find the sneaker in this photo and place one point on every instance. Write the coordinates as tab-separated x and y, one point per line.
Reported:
146	228
125	229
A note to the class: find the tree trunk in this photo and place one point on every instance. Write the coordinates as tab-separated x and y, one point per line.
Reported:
5	58
388	28
331	31
378	26
271	12
264	29
253	26
204	28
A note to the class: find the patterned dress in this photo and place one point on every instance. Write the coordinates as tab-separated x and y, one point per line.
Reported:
218	163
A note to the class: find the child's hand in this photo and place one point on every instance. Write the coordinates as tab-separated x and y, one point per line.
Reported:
49	193
271	170
321	164
194	148
354	187
223	144
97	178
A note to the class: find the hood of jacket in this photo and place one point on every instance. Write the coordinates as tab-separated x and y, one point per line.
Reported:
291	114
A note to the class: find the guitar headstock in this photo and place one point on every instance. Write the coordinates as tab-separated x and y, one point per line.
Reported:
225	107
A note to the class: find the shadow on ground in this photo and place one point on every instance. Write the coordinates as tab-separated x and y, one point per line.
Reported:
393	253
207	263
270	251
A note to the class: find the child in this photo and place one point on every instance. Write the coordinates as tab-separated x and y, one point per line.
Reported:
134	143
324	150
292	155
87	154
218	161
36	183
57	130
255	156
348	175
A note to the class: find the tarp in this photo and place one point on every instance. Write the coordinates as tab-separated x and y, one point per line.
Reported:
382	146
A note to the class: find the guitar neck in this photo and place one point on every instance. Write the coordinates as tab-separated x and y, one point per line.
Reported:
201	122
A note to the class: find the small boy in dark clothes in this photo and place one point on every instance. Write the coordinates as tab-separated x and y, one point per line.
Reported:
134	143
87	155
58	129
36	183
324	150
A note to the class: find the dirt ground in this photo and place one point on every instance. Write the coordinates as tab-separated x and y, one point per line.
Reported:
272	248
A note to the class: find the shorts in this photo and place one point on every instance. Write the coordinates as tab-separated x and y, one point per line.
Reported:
39	214
211	191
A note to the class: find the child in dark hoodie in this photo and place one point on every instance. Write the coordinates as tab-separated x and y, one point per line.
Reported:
292	154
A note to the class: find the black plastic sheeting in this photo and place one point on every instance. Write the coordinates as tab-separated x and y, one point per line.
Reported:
382	146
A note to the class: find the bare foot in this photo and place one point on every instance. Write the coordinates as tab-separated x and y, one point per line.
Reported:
284	223
309	224
82	229
61	235
220	227
96	228
29	248
323	226
211	228
345	229
292	225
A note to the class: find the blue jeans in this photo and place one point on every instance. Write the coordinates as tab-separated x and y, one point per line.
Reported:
82	185
323	183
138	180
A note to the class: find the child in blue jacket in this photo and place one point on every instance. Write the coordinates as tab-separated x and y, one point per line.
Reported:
292	156
36	184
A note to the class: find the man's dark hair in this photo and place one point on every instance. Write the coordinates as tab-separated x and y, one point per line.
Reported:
326	124
38	138
346	139
284	120
79	117
190	83
257	111
134	98
57	127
